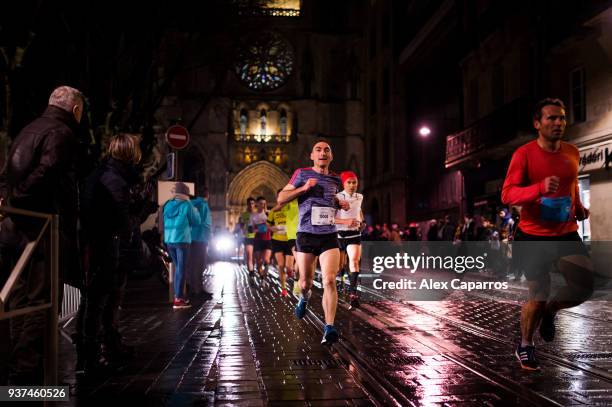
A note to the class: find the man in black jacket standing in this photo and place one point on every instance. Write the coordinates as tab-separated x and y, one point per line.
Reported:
40	176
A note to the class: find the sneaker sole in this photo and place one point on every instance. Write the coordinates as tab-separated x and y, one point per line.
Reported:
532	369
330	340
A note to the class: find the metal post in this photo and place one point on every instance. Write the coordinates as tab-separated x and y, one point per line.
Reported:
52	342
171	282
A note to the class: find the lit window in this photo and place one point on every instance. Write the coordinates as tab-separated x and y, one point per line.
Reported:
283	123
243	122
272	8
266	62
263	120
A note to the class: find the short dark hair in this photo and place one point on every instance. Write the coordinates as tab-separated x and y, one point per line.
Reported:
537	110
321	140
250	199
261	198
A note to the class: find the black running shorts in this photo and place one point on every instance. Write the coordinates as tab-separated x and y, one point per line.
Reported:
291	243
279	246
535	254
261	245
248	241
316	244
347	238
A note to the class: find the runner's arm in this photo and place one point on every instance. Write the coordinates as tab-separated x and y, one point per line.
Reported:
580	212
340	221
289	193
577	200
514	191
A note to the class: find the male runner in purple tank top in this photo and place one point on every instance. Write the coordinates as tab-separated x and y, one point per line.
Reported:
315	189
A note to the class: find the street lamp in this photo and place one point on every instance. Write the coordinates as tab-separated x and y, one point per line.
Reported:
424	131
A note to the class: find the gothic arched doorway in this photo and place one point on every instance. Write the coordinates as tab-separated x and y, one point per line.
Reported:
259	179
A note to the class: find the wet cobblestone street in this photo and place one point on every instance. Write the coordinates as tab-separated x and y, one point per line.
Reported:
246	348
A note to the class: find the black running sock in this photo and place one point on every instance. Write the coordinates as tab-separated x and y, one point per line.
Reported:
354	278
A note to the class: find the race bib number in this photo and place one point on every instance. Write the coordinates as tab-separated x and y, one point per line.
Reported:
322	215
281	230
556	209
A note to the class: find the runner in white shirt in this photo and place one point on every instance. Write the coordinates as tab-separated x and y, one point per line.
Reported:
349	224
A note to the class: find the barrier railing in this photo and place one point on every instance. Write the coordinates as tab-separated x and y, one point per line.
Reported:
70	303
50	231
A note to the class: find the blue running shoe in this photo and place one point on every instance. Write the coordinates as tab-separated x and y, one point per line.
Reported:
300	308
330	335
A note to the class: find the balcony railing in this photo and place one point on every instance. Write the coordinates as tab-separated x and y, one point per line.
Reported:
263	139
496	129
269	12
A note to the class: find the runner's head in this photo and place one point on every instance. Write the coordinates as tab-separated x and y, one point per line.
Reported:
261	204
349	181
321	154
250	203
549	119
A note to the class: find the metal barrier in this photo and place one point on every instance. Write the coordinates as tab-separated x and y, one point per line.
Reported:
70	303
50	231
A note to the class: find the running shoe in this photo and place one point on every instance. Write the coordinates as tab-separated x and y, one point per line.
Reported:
330	335
353	301
547	326
180	303
284	292
296	288
300	308
526	355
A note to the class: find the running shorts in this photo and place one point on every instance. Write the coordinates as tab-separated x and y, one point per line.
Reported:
536	254
316	244
279	246
261	245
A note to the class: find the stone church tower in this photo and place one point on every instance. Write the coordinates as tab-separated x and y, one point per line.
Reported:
294	79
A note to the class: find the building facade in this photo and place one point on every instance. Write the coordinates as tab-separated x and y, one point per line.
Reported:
470	72
294	77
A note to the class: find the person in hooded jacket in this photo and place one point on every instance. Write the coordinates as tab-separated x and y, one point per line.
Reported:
179	216
200	235
108	229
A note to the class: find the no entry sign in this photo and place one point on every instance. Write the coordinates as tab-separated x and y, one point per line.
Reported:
177	137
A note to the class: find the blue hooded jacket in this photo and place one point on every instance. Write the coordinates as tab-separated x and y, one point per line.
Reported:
200	232
179	217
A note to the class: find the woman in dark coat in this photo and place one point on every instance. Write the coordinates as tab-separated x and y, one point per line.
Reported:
108	229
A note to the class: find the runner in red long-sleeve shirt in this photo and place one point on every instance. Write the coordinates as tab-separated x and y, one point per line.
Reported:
543	179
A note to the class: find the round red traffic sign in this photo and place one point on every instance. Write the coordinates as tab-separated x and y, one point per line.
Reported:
177	137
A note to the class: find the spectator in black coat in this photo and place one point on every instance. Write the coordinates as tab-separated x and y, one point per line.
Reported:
40	176
108	230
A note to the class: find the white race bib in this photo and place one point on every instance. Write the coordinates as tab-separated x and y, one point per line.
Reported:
322	215
281	230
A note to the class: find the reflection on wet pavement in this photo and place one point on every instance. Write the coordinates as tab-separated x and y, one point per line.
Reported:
245	347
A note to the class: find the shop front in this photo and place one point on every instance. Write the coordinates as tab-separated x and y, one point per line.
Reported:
595	183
